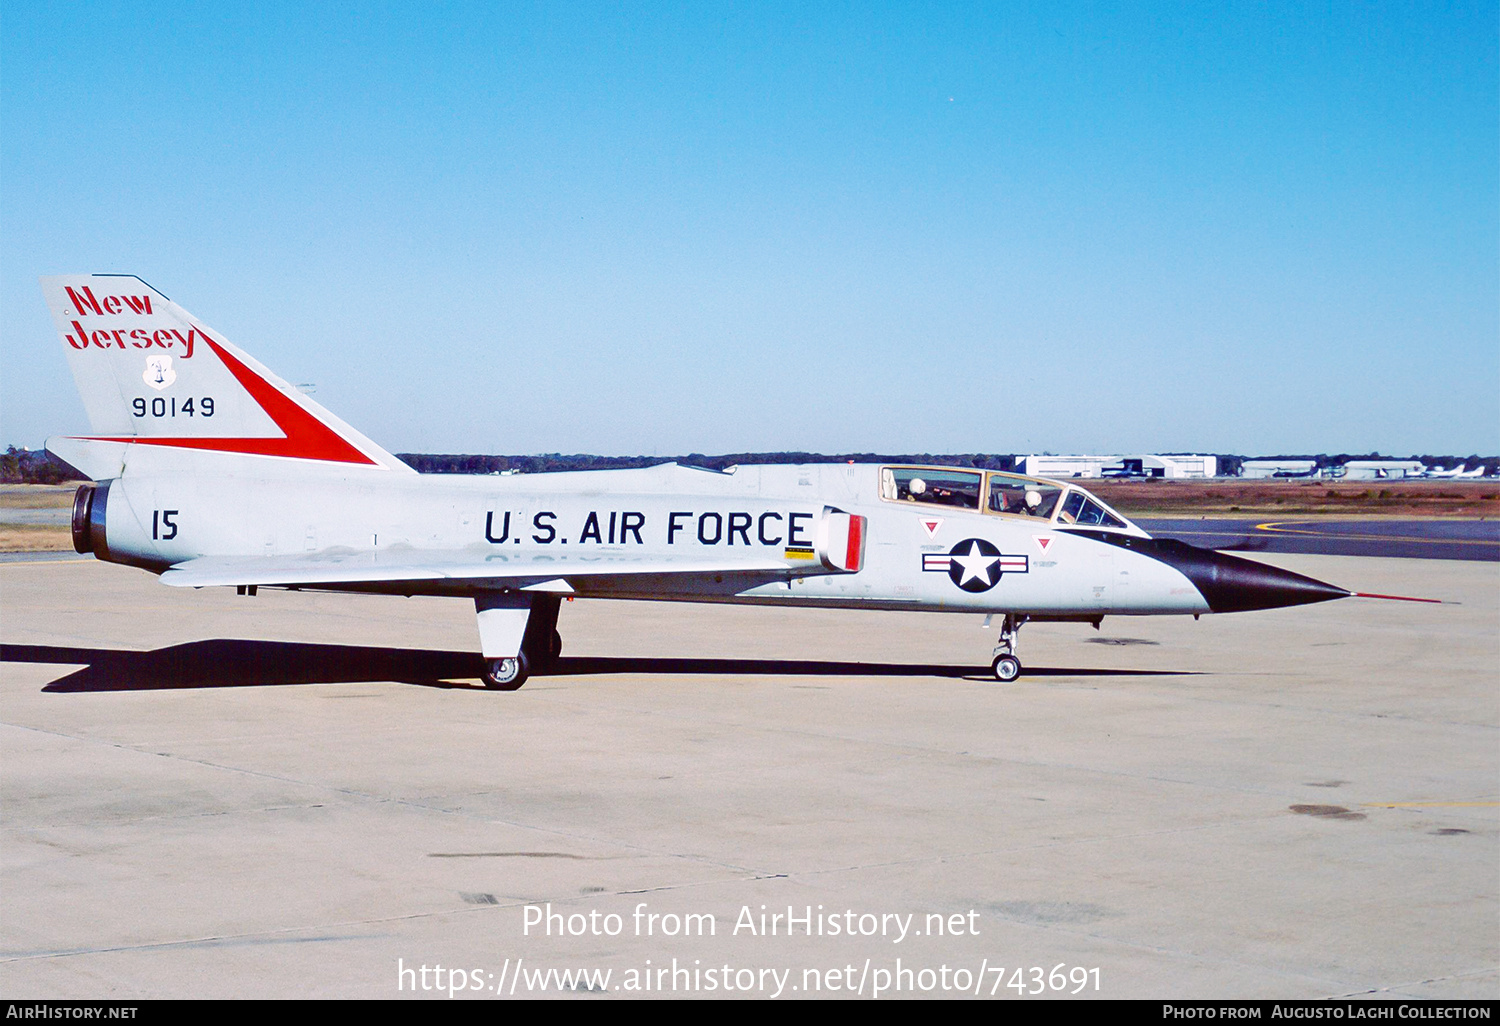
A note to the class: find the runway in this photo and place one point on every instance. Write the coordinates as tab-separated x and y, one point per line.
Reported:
308	795
1413	539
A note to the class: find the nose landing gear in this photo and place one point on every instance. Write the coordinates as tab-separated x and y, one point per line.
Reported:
1006	666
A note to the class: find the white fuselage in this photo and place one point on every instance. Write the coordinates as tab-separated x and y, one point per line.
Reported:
917	555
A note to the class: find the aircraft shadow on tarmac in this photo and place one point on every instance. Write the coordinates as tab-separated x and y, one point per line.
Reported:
235	663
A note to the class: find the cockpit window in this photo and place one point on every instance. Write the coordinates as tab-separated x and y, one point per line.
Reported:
1007	494
1022	497
932	485
1080	509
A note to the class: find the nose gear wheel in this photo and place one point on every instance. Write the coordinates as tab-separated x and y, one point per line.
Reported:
1006	665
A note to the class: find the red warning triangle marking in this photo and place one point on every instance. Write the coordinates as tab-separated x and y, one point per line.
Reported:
1042	541
931	526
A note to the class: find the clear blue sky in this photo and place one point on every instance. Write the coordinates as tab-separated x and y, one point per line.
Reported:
645	228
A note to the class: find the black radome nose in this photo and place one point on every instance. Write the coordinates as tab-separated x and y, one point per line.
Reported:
1230	584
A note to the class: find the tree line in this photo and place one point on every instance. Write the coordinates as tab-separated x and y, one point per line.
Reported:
37	466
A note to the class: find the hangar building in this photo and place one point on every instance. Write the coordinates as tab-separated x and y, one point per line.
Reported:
1379	470
1278	468
1119	466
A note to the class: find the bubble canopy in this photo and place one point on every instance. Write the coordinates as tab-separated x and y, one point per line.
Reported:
1010	495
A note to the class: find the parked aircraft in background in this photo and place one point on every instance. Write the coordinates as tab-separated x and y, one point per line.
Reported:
212	471
1456	473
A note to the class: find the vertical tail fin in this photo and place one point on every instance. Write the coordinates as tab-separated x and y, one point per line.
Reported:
162	390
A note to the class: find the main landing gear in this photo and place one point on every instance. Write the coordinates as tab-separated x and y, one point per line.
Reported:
1006	665
510	674
522	623
507	674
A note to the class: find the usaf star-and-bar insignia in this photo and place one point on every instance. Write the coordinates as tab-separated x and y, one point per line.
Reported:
974	564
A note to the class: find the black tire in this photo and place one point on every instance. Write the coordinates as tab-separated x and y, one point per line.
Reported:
1007	668
507	674
556	652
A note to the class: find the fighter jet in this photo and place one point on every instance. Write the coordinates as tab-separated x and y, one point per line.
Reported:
211	471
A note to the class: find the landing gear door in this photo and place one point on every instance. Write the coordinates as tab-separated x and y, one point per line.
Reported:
840	540
1097	589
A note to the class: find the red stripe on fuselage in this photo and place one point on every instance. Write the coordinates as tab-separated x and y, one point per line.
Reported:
306	437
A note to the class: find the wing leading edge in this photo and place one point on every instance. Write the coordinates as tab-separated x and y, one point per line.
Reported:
378	567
